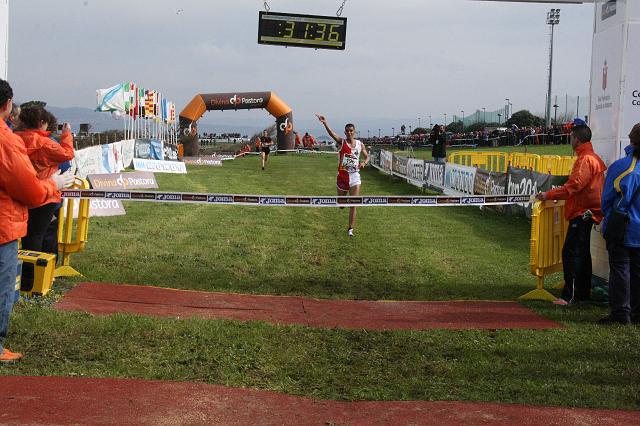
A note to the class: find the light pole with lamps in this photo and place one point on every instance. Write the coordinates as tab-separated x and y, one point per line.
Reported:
393	132
367	133
555	113
378	133
430	123
553	19
506	109
499	117
462	120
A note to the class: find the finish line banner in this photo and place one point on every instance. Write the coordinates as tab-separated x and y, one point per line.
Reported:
299	201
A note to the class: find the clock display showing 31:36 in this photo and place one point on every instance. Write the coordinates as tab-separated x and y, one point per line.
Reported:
287	29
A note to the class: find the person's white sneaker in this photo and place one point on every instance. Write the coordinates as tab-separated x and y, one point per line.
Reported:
350	232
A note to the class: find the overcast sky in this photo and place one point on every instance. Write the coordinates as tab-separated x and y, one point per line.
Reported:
404	58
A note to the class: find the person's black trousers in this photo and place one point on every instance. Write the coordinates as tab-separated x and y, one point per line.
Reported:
39	220
576	260
50	241
624	282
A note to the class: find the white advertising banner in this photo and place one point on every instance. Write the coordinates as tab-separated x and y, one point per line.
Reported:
116	148
633	10
610	13
4	39
606	77
631	97
459	179
386	160
415	172
158	166
127	152
101	208
88	161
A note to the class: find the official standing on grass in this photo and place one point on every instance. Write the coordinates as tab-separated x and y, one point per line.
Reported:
583	193
20	188
439	141
621	194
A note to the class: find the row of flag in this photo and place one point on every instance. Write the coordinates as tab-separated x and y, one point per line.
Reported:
136	102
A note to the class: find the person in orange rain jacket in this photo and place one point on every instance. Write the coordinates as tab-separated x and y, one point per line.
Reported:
298	140
20	188
45	155
583	192
308	141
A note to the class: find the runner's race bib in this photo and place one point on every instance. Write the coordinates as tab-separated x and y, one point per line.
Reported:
350	163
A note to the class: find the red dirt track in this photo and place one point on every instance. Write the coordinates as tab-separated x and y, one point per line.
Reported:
63	400
101	298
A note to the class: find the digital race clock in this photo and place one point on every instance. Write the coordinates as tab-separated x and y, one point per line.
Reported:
288	29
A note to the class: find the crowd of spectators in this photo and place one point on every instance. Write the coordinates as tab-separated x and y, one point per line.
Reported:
530	135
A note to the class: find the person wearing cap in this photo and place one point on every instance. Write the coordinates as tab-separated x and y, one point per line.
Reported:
621	192
583	192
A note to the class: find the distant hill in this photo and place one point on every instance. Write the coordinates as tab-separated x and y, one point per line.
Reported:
212	123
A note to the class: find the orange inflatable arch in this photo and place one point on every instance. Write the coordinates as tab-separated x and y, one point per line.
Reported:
234	101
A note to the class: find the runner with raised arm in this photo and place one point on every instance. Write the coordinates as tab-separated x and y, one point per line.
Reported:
349	165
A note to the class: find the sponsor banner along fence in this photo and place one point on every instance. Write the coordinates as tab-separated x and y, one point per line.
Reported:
290	200
460	179
203	160
455	179
159	166
115	181
117	156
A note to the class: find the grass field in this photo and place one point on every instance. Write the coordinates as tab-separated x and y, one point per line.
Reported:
397	253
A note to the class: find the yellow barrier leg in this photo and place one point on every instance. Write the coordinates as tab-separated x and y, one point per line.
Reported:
539	293
66	270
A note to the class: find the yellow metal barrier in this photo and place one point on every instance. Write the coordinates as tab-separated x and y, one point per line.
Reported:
549	164
72	239
566	164
491	161
499	161
524	161
548	231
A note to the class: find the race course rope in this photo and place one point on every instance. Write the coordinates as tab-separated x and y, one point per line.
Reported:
299	201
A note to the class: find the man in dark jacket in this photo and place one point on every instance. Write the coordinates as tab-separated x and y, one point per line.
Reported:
439	142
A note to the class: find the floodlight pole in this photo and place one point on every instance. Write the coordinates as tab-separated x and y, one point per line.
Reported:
553	19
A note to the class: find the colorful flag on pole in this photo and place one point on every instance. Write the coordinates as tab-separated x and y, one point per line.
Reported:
111	99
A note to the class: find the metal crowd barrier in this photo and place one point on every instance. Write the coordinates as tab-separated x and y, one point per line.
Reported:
499	161
491	161
72	239
548	231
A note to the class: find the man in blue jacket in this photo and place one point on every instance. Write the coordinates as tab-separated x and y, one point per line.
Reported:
622	182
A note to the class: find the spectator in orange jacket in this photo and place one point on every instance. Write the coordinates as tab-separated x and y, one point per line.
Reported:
308	141
20	188
298	140
583	192
45	155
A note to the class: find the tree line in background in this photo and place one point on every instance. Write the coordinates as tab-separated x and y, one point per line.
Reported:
522	118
